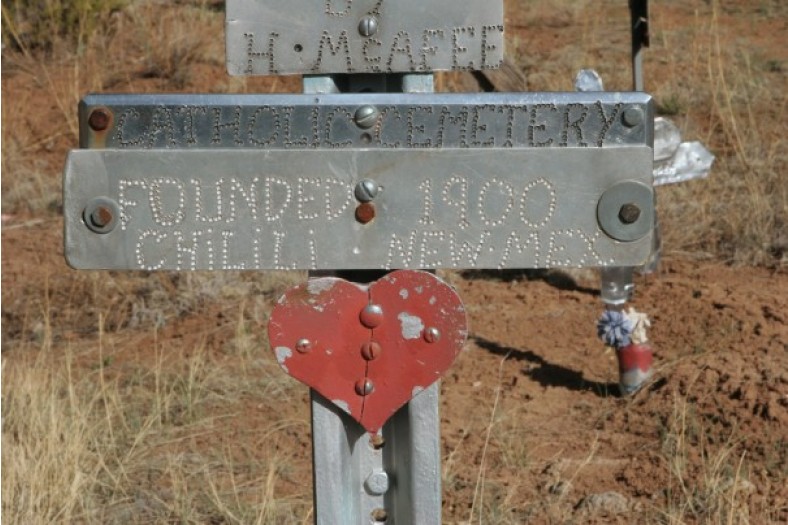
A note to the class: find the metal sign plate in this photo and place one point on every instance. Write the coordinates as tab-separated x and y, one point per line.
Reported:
280	37
247	209
390	121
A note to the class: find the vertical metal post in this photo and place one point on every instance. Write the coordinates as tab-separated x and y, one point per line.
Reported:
395	476
638	10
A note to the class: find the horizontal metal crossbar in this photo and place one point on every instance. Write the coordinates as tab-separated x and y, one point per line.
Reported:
364	209
386	121
278	37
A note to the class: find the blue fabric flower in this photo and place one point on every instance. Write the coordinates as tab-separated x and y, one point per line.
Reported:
614	328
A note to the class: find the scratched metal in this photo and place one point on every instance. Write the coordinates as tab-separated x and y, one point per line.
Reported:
242	209
469	120
275	37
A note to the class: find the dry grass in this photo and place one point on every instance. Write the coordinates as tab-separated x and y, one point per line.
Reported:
105	421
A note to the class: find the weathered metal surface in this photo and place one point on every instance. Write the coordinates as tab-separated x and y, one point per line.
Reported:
419	326
277	37
399	121
243	209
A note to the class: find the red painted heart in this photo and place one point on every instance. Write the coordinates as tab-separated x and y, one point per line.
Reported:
369	349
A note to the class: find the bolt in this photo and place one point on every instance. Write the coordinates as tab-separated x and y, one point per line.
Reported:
629	213
633	116
364	387
99	119
371	350
366	116
432	335
101	216
377	483
367	190
377	442
371	316
365	212
304	346
368	26
379	515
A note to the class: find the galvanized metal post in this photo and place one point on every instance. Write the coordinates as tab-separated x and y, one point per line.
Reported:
394	476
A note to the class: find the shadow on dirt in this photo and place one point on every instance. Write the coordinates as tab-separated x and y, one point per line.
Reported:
555	278
548	374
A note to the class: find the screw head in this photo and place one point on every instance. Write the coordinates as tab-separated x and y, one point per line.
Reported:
368	26
377	483
366	190
371	350
364	387
365	212
101	215
633	116
629	213
371	316
366	116
303	346
99	119
432	335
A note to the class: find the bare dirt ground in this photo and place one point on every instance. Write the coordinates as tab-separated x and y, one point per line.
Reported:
153	398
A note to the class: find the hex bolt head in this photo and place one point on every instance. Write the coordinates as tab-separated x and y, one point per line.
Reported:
629	213
368	26
366	116
101	215
377	483
364	387
99	119
365	212
366	190
303	346
633	116
371	316
371	350
432	335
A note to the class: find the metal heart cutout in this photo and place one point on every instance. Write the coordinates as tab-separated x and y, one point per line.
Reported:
369	349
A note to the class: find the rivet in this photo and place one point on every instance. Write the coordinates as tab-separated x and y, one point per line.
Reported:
629	213
366	116
101	215
371	316
432	335
366	190
304	346
364	387
633	116
368	26
371	350
99	119
365	212
377	483
379	515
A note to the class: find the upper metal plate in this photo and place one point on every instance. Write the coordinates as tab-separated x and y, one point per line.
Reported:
281	37
247	209
435	121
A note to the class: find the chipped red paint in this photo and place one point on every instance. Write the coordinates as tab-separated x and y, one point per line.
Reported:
326	312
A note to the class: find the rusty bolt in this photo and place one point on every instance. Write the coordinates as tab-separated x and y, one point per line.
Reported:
99	119
101	216
432	335
303	346
371	350
365	212
364	387
377	442
629	213
379	515
371	316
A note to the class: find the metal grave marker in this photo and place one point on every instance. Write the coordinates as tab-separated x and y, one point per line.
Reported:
366	170
362	36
